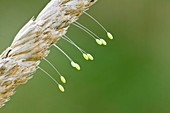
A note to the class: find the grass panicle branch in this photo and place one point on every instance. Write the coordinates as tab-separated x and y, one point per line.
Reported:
19	61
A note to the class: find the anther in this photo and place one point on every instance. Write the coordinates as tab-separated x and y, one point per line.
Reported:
110	36
75	65
90	56
61	88
99	41
103	41
85	56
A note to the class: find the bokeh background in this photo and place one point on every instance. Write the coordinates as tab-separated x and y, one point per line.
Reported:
129	75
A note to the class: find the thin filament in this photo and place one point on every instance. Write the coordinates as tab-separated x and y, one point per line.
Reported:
48	75
87	29
52	66
96	21
63	52
69	40
71	43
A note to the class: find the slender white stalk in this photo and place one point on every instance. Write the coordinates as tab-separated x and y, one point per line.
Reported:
48	75
61	77
98	40
69	40
96	21
52	66
63	52
72	43
86	29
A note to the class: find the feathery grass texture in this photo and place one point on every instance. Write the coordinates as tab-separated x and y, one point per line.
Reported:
19	61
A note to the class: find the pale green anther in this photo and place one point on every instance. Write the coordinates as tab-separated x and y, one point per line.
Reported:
90	56
110	36
103	42
77	67
73	64
98	41
61	88
85	56
63	79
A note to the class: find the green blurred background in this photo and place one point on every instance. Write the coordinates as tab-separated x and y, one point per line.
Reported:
130	75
